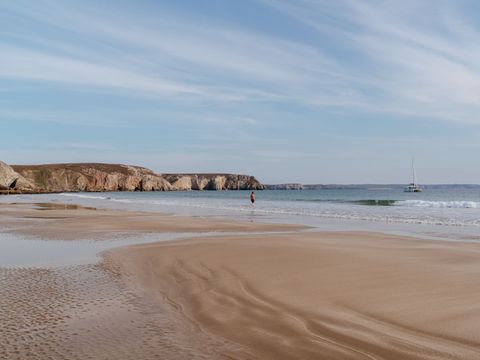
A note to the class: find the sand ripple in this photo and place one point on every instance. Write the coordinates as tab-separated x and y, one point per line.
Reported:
81	312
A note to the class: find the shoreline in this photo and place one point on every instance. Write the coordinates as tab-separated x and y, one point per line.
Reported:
269	291
430	223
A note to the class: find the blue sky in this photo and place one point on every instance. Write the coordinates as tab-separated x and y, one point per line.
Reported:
289	91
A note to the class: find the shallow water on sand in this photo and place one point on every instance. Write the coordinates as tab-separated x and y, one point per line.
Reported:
20	251
33	252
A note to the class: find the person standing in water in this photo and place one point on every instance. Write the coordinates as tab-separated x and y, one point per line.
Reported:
252	199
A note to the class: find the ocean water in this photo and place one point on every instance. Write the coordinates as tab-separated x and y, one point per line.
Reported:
443	213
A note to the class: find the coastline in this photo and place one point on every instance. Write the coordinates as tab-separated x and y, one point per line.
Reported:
436	215
269	291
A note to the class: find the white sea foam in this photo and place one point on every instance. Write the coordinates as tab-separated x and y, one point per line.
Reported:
83	196
438	204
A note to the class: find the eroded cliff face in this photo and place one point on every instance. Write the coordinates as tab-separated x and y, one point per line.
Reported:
116	177
213	182
91	177
12	181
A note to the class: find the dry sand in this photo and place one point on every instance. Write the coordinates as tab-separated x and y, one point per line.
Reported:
294	295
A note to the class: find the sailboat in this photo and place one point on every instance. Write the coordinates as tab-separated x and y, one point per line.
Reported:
413	186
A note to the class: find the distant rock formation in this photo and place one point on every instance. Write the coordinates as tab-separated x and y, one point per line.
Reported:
213	182
289	186
96	177
11	181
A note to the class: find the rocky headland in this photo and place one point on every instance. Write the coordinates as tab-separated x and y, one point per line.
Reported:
97	177
12	181
288	186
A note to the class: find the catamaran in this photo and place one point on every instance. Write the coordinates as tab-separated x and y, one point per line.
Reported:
413	186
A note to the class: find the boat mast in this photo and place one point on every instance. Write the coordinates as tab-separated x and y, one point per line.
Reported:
413	171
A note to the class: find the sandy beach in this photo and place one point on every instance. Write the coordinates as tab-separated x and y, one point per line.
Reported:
266	292
239	180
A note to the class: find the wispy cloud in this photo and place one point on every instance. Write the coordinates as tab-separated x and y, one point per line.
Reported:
418	66
385	59
178	57
25	64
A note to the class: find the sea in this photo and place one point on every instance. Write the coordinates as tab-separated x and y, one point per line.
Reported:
450	214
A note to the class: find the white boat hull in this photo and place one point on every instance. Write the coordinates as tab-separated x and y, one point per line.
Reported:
412	188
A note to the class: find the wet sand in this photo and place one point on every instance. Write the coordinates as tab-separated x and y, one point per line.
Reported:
290	295
320	295
86	311
58	221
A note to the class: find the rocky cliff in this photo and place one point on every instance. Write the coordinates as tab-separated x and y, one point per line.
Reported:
91	177
213	182
116	177
11	181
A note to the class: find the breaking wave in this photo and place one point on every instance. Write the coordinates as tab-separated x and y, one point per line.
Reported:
83	196
374	202
420	203
439	204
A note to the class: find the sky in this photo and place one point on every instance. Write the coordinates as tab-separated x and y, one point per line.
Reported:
343	91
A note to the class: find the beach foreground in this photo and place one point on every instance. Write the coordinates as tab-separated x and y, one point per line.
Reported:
292	294
321	295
